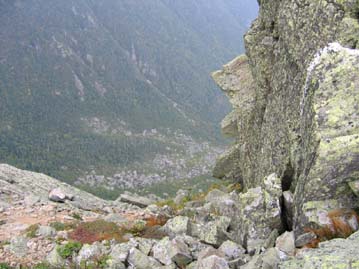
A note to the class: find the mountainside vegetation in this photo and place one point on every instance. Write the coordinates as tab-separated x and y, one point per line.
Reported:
83	82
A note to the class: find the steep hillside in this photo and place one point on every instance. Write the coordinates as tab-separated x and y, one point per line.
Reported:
83	83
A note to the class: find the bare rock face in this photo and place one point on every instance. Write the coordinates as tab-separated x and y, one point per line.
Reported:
33	187
295	106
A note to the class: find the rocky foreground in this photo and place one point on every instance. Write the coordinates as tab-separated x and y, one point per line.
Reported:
48	224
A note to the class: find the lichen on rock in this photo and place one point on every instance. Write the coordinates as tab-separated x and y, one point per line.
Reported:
295	103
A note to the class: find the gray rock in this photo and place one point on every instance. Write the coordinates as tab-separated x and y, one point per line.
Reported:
111	264
161	251
213	262
119	252
18	246
215	232
136	200
180	196
231	250
179	252
215	195
141	261
210	251
288	207
192	265
116	218
59	195
354	185
178	225
89	252
270	259
270	241
260	208
194	245
145	245
304	239
172	251
286	243
46	231
31	200
55	260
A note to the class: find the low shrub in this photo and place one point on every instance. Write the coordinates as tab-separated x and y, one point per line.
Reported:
67	250
98	230
60	226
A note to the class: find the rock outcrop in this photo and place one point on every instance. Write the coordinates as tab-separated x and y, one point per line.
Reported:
295	107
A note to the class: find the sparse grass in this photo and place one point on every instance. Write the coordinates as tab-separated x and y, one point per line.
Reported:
339	227
31	231
200	196
67	251
42	265
76	216
60	226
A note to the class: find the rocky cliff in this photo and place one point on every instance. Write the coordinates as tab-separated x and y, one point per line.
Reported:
295	107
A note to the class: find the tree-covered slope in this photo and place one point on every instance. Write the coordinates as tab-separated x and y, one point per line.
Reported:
81	80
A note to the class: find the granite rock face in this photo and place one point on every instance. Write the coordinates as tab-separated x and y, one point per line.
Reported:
295	105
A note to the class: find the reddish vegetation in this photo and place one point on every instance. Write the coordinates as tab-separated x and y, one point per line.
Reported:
156	221
98	230
339	226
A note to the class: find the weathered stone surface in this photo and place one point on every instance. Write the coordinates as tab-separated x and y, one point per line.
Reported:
89	253
54	259
141	261
57	195
119	252
46	231
177	225
180	196
116	218
179	252
172	251
259	213
161	251
213	262
135	200
214	232
18	246
354	185
336	253
210	251
332	108
298	116
286	243
31	200
231	250
22	183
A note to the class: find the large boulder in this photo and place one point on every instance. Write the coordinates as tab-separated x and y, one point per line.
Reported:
295	104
